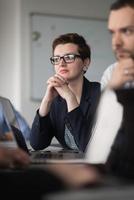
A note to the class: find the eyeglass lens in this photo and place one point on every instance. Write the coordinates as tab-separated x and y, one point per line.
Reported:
67	58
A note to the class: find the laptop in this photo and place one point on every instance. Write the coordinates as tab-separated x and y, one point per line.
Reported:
11	136
99	146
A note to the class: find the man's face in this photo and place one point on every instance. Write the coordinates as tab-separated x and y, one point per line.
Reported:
121	27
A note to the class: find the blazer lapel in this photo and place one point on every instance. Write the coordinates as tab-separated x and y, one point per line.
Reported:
86	96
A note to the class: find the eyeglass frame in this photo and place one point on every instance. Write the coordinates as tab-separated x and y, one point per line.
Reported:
63	57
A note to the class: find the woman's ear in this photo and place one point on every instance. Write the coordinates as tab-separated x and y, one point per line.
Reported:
86	64
85	68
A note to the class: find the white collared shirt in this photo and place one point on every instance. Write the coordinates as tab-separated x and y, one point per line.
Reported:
107	75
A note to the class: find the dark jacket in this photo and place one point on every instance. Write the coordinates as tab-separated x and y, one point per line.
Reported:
79	121
121	159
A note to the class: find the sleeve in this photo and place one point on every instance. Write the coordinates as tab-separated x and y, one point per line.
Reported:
106	76
121	159
41	132
122	156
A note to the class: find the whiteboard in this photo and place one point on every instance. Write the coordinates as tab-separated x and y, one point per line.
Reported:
44	30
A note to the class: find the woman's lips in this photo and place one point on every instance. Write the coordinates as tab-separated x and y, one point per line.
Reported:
63	71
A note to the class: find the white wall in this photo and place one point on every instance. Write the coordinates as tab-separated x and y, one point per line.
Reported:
15	42
10	50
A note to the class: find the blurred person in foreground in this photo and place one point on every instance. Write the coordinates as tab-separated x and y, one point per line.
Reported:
20	181
119	80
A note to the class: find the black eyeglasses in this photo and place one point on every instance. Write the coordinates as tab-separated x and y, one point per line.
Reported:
68	58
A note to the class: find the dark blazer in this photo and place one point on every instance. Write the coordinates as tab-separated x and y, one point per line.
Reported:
121	159
79	121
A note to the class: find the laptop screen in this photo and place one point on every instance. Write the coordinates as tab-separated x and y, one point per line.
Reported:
7	121
10	132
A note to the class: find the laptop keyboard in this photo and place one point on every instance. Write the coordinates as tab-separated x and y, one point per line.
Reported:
44	156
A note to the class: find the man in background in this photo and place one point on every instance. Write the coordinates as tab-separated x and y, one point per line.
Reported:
119	78
121	27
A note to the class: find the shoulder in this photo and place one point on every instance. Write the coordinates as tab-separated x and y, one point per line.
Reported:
107	75
95	84
91	84
95	87
110	68
92	89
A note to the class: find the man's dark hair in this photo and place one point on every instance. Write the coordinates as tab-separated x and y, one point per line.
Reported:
74	38
121	4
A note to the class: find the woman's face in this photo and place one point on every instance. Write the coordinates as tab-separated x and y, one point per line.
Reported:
69	67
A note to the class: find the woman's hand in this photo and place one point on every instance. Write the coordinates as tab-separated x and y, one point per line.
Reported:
50	94
66	93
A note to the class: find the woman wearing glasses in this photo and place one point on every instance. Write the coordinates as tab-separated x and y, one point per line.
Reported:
68	106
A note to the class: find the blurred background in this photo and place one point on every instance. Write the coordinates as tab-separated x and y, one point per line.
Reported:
18	71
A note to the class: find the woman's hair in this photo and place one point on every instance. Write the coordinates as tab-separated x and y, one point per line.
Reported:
74	38
121	4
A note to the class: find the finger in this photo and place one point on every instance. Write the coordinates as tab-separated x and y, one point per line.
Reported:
53	81
128	71
61	78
